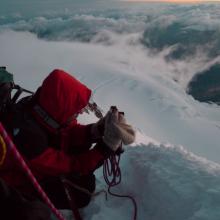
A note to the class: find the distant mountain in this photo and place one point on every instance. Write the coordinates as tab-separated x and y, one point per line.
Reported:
205	86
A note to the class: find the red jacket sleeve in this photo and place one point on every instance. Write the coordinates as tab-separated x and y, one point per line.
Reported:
54	162
77	137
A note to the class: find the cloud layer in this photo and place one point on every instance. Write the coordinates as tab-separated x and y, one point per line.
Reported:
188	29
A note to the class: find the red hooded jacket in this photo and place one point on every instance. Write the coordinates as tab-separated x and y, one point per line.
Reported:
62	97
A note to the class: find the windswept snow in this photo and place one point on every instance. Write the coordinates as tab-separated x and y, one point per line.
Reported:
168	182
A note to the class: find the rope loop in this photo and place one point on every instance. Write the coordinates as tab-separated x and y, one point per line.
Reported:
112	171
4	150
112	176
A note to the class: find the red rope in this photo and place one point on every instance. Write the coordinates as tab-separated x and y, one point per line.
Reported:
27	170
112	176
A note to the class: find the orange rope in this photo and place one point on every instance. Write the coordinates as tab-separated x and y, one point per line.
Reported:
4	150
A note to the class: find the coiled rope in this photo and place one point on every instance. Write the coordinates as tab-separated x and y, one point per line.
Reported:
112	176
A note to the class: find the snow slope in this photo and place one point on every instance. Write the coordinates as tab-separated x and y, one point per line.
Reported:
168	182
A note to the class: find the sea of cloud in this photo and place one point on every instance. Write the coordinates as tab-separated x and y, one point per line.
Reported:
185	37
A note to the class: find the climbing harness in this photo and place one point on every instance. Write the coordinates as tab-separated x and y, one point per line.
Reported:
11	147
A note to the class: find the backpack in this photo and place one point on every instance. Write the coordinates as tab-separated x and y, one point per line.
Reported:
7	96
6	85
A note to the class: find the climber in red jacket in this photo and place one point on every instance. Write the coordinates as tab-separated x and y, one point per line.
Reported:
45	130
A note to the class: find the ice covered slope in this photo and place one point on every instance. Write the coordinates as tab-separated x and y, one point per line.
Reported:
168	182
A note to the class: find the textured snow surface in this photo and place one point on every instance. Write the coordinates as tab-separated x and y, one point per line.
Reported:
167	182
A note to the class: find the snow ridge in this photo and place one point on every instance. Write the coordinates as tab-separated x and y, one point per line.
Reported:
168	182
